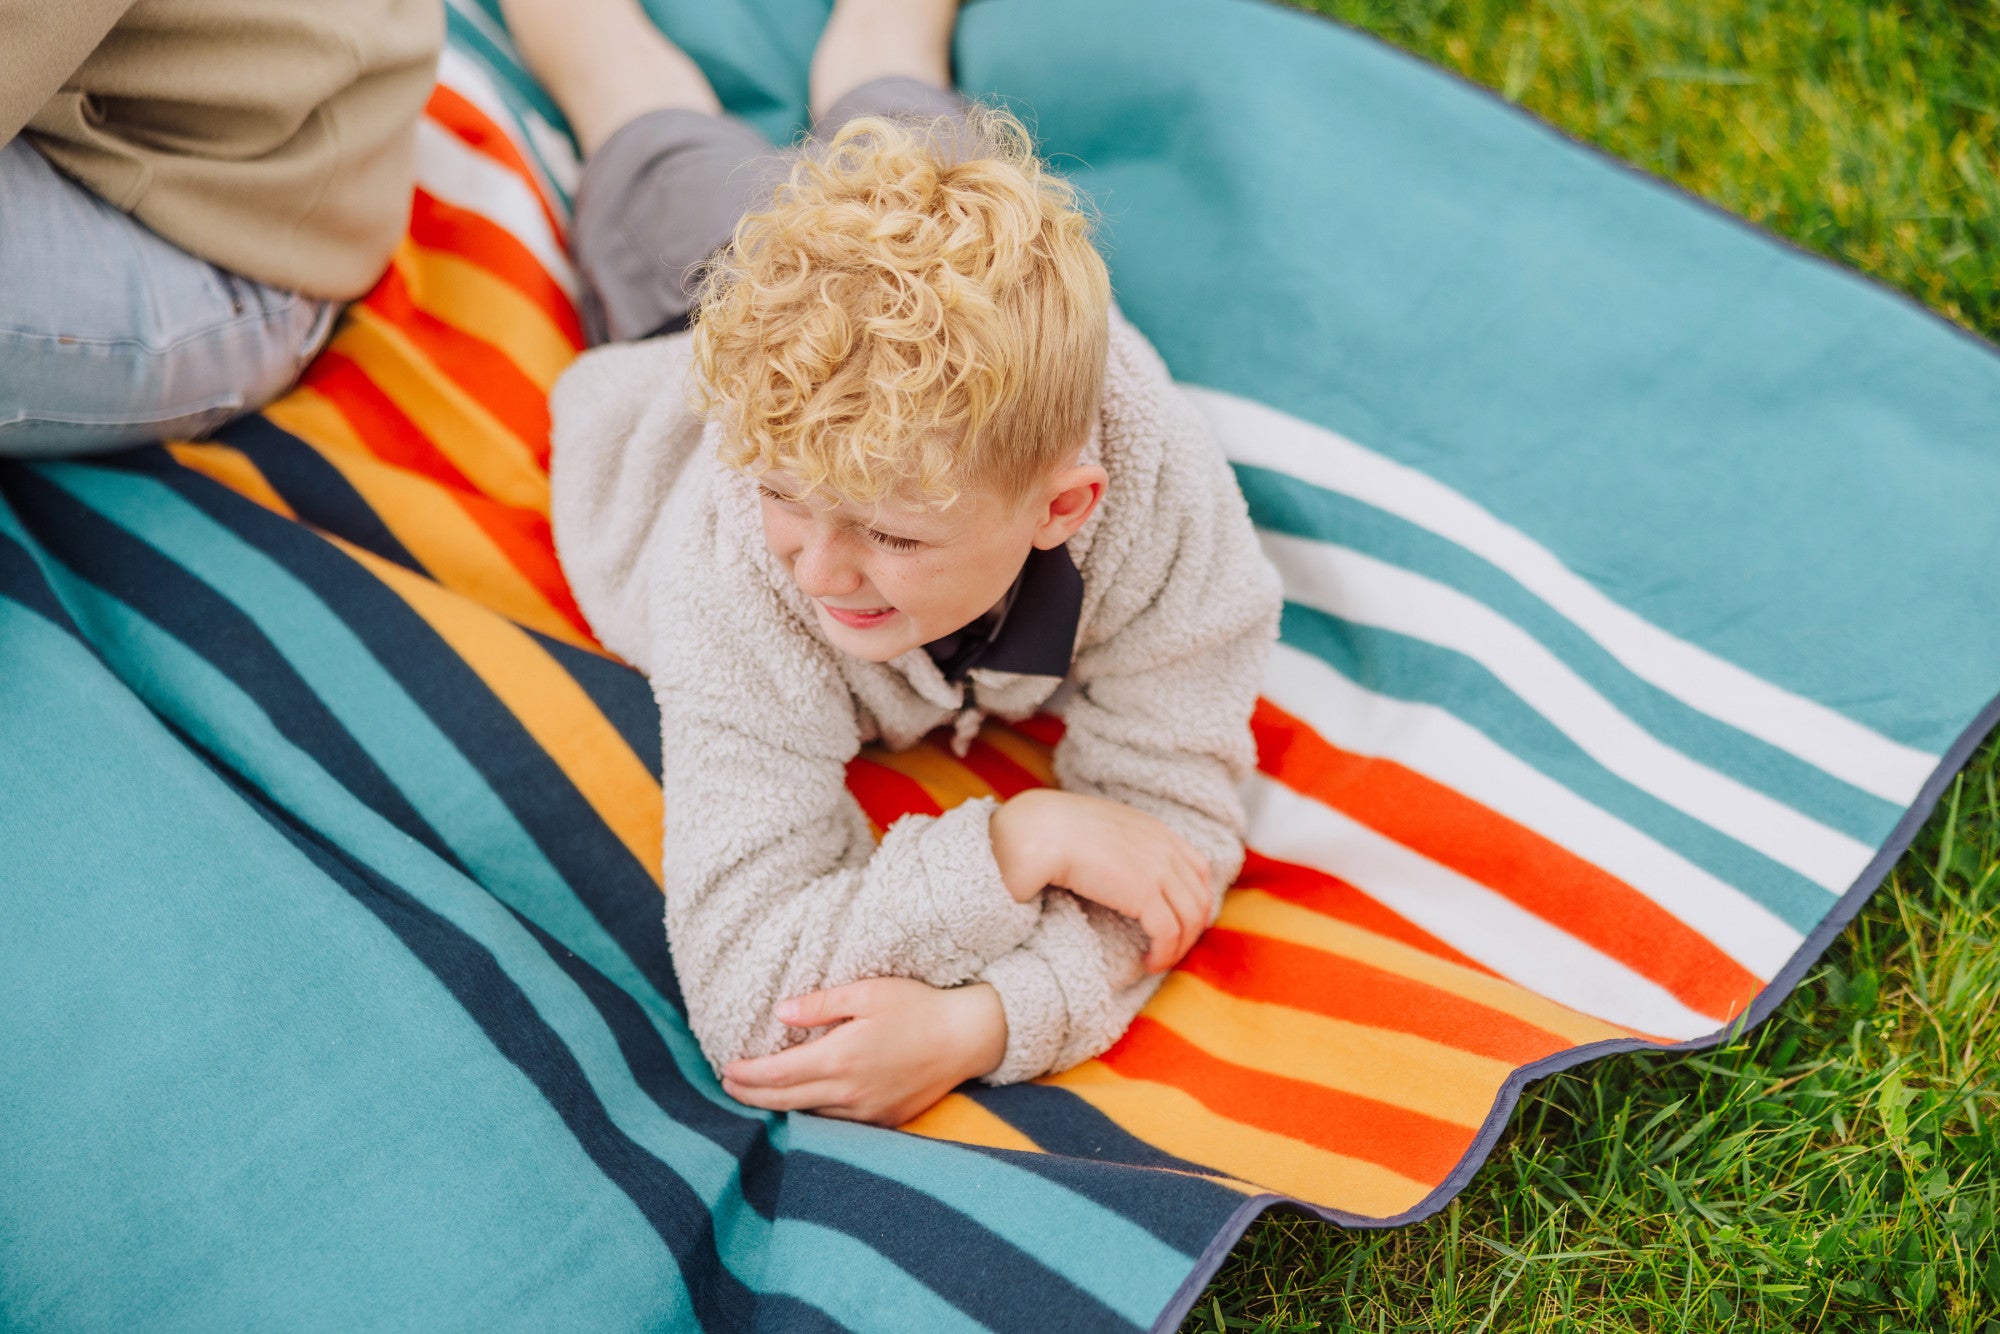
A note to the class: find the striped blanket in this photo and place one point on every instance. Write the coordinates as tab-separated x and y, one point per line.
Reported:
1640	601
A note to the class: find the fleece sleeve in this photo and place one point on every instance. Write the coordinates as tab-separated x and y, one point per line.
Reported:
1161	722
621	436
1160	719
774	883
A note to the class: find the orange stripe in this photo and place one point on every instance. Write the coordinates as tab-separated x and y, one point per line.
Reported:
885	795
939	773
376	430
1543	877
471	126
437	225
1321	893
1185	1127
1406	1142
486	374
546	700
377	421
1023	751
997	771
442	529
1259	914
234	470
960	1118
499	462
1279	972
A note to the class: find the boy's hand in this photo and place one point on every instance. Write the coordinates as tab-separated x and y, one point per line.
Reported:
903	1046
1109	853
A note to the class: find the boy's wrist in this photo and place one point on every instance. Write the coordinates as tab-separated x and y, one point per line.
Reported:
1022	846
982	1021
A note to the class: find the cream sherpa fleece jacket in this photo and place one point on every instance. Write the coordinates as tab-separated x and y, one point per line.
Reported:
774	885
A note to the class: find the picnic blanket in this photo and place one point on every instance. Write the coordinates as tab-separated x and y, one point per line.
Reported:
1640	577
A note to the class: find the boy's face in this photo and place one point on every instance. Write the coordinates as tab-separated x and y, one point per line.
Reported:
892	576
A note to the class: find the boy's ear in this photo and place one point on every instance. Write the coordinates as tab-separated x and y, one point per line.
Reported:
1071	497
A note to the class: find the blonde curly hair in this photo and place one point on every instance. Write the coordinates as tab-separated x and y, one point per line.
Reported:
919	312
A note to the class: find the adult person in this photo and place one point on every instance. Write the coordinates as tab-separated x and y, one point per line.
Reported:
189	191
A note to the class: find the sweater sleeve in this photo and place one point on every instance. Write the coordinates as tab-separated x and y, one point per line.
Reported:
774	883
1160	719
622	434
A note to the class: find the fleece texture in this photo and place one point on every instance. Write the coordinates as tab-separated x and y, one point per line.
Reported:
774	883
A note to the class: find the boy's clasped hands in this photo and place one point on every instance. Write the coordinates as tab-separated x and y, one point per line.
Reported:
898	1045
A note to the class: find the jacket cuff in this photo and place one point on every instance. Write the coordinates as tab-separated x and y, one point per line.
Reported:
967	897
1037	1016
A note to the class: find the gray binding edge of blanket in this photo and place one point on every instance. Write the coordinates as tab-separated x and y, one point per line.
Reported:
1780	987
1768	1000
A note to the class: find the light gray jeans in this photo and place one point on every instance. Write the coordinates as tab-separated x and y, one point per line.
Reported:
111	335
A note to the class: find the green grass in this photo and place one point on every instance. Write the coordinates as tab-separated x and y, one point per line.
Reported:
1838	1168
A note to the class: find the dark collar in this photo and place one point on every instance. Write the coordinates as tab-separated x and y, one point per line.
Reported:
1035	630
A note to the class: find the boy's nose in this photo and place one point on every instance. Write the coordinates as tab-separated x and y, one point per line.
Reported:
820	570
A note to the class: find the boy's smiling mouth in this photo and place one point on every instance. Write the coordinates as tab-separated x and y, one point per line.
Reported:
858	618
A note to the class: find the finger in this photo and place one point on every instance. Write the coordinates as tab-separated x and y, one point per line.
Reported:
822	1095
1187	904
827	1006
1163	932
1202	888
792	1066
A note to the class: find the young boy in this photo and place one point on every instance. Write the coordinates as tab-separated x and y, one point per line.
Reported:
909	468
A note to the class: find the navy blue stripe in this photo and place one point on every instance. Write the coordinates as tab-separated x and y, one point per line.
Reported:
598	868
620	693
980	1272
1182	1211
22	581
180	604
517	1030
1061	1122
314	488
910	1228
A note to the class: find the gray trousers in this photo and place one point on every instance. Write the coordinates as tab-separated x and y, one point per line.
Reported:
666	190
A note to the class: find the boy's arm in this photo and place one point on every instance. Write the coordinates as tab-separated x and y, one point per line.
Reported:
622	433
774	885
1160	719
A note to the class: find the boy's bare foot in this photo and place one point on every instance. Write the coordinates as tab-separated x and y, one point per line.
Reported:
604	63
872	39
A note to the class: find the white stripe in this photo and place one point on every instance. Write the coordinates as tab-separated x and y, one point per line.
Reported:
1472	919
1821	736
452	171
1359	588
1429	741
545	150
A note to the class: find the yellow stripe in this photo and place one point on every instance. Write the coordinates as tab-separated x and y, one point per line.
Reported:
547	701
960	1118
1257	913
229	467
490	456
935	770
1030	754
473	301
1398	1069
312	417
425	517
1174	1121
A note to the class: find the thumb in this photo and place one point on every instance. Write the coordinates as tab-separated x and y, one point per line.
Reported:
817	1008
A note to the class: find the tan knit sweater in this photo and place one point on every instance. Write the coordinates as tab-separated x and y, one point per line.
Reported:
774	886
276	138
